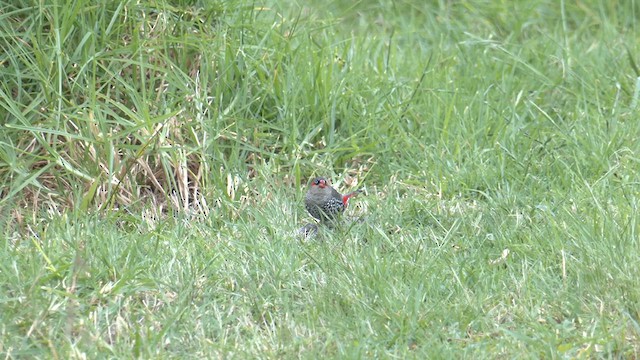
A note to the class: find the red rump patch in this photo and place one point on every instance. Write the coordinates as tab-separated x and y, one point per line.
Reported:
345	198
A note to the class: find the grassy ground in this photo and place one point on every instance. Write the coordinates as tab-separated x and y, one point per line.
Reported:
153	161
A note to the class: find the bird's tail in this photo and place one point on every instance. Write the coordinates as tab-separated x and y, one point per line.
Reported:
345	198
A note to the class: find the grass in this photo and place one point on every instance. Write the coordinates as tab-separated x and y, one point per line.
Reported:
154	158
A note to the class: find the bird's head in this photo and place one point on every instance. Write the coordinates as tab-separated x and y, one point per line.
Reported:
319	183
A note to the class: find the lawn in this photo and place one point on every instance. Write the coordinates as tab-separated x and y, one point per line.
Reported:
154	158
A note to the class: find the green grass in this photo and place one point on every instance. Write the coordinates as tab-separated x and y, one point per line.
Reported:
154	158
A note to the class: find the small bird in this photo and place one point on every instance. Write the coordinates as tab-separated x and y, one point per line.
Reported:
308	231
324	203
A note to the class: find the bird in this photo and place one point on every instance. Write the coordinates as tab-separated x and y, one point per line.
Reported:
325	203
308	231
